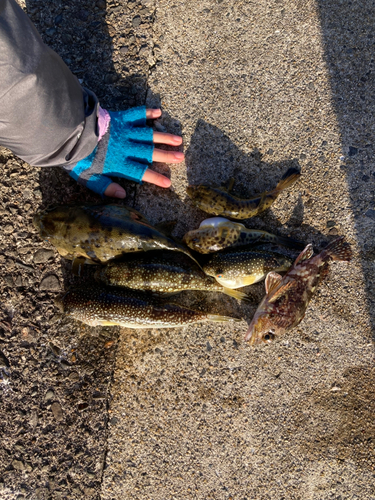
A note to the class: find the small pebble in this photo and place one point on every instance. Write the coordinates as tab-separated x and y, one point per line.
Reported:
50	395
43	255
50	283
57	411
136	21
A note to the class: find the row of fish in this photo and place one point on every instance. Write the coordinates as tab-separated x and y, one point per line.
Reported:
233	257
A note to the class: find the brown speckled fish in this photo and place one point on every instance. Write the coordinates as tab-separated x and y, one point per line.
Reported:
243	266
287	297
97	306
219	201
161	271
217	233
100	233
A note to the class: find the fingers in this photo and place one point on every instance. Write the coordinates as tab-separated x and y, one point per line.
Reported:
115	191
170	139
167	156
155	178
151	114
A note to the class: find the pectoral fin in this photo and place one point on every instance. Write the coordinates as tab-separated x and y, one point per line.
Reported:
282	290
77	265
272	281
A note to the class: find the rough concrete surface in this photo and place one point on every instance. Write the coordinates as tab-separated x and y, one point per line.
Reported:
254	88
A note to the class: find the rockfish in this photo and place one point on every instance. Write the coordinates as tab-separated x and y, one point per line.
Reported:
287	297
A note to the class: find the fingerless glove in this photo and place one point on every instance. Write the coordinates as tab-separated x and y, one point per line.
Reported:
125	151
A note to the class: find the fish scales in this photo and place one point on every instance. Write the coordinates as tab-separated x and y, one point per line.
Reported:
287	297
160	271
128	308
218	233
100	233
244	266
219	201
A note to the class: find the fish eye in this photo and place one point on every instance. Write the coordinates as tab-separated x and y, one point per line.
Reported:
269	336
219	276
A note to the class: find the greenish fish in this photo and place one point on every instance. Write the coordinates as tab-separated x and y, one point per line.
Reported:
97	306
218	233
234	268
219	201
100	233
161	271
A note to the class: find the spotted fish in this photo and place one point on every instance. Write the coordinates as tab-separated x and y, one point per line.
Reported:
104	306
219	201
287	297
100	233
161	271
217	233
234	268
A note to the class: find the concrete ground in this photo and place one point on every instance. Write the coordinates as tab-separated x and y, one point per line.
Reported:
195	413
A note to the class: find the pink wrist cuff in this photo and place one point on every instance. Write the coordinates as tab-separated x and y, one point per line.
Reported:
103	121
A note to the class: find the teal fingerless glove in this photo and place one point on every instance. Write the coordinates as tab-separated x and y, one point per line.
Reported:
124	151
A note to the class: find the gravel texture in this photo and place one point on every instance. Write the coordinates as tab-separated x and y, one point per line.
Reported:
254	88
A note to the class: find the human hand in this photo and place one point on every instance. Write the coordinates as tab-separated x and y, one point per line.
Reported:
159	155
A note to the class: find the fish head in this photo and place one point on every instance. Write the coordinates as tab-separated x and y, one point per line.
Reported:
51	221
261	330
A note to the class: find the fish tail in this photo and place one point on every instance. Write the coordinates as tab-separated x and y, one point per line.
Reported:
218	318
289	178
338	249
236	294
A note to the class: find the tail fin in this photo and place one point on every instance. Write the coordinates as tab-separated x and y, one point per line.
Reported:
338	249
236	294
289	178
217	318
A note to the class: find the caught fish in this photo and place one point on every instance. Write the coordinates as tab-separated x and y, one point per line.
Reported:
217	233
234	268
161	271
219	201
287	297
100	233
130	308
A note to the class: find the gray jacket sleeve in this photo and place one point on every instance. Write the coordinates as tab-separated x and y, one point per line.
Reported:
46	117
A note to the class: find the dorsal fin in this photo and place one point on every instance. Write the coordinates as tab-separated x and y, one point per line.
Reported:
307	253
272	281
278	293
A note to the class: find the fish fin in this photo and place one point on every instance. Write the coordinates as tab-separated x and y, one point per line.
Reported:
324	271
338	249
77	265
284	288
108	323
236	294
166	227
307	253
289	178
249	280
217	318
272	281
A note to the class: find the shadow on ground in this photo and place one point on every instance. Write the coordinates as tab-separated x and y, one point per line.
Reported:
349	40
